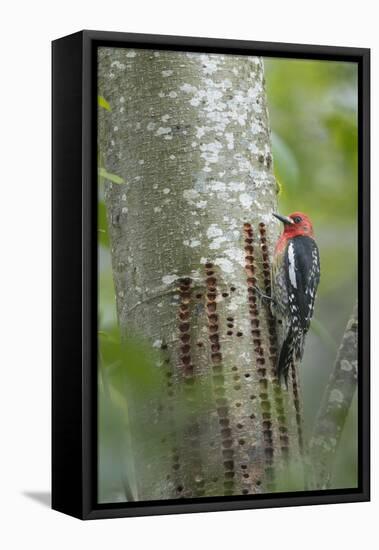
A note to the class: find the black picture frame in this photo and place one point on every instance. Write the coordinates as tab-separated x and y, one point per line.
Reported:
74	271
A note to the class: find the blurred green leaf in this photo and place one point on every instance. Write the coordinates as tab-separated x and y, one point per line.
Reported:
130	362
102	224
103	103
110	177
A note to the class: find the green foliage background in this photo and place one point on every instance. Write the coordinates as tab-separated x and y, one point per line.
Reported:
313	116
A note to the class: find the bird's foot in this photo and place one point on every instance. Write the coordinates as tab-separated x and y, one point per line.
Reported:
263	296
263	299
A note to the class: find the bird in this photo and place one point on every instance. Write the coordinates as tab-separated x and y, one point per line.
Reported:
295	276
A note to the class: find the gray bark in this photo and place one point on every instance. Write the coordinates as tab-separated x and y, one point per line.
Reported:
191	234
335	406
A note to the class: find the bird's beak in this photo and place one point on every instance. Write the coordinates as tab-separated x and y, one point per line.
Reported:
284	219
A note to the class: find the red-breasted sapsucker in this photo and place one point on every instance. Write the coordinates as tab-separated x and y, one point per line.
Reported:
295	278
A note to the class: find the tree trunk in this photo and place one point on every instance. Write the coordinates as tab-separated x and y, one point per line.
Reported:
335	405
191	234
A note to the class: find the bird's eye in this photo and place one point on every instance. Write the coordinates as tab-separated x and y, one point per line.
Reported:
297	219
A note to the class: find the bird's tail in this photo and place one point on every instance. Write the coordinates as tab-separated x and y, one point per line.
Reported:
286	357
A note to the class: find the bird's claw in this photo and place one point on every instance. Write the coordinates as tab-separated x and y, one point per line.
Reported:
262	295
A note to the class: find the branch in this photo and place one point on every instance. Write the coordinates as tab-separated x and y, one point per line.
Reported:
335	406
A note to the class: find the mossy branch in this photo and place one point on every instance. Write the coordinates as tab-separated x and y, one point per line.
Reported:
335	406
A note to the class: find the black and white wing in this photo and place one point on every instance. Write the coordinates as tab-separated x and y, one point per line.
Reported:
302	263
294	297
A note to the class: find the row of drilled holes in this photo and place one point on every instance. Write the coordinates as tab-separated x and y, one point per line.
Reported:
279	406
218	378
258	348
187	368
175	461
284	441
241	441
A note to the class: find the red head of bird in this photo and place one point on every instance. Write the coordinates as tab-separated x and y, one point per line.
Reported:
295	225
